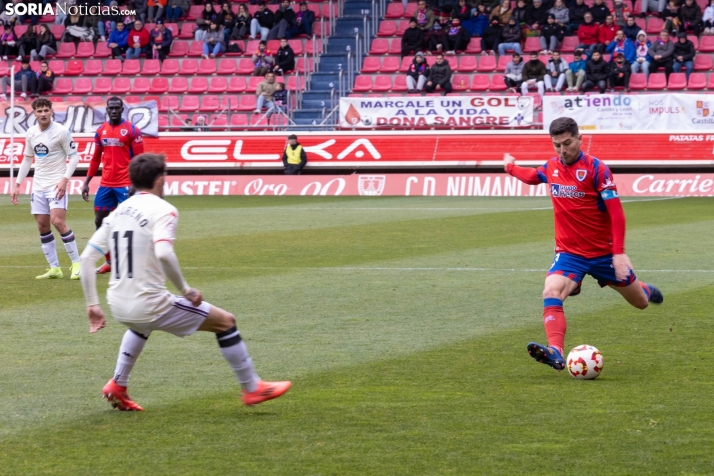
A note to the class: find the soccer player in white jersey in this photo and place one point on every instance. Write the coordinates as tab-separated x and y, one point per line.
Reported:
50	144
140	234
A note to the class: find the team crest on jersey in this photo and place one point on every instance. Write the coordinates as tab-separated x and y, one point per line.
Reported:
124	132
580	174
41	150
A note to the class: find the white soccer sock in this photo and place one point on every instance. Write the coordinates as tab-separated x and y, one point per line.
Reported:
70	244
49	249
236	353
131	346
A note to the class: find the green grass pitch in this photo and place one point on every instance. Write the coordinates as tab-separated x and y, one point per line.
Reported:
402	323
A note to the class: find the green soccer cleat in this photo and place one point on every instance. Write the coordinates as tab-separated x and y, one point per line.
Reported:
74	270
52	273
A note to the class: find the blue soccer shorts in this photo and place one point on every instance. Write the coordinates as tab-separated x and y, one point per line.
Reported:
575	267
108	198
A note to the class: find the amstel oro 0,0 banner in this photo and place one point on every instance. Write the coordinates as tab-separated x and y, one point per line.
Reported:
447	111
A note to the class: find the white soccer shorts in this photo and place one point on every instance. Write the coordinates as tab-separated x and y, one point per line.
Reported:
182	319
42	202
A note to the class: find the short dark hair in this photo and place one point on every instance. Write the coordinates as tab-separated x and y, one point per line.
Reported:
115	98
144	169
40	103
563	125
262	42
44	62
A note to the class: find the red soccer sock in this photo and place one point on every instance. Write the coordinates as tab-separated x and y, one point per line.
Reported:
646	289
554	323
108	258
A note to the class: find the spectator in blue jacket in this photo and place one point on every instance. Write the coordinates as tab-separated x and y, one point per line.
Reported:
575	75
642	56
25	80
621	45
118	41
161	40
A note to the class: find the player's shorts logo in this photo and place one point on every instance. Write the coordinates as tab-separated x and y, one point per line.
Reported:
580	174
41	150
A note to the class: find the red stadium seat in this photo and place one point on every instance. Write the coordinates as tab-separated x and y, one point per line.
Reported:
163	122
236	84
460	82
382	83
503	61
403	25
239	120
4	68
362	84
189	67
371	64
706	45
169	103
245	66
199	85
207	66
293	84
654	26
66	50
84	86
151	67
63	86
395	47
487	64
253	83
112	67
159	85
532	45
179	49
252	46
467	64
120	86
247	103
102	51
84	50
380	46
481	82
153	98
218	85
189	104
93	67
57	31
410	10
390	64
694	40
132	99
226	66
710	86
304	66
474	46
676	82
400	84
187	31
218	121
406	62
94	100
57	66
316	48
387	28
273	45
656	81
178	120
638	82
73	98
296	45
394	10
209	103
131	67
702	63
697	81
194	12
497	83
569	44
141	86
101	86
178	85
196	48
169	67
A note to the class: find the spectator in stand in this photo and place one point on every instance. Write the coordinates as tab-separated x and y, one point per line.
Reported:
670	15
118	41
417	74
108	23
201	125
576	71
600	11
294	157
631	29
513	76
264	93
536	17
8	42
284	18
6	19
489	4
302	24
511	38
557	73
27	42
436	38
243	21
642	55
588	34
262	21
45	79
439	76
425	19
213	42
597	73
551	36
280	98
577	16
284	58
76	30
561	14
34	19
708	18
208	14
46	44
138	41
140	8
155	9
462	11
456	38
533	73
606	34
620	72
492	37
25	80
502	13
662	52
691	17
653	7
683	55
519	13
621	45
262	59
620	13
188	126
160	39
177	9
412	39
478	22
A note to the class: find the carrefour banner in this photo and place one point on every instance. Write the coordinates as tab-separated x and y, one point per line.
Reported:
448	111
650	112
79	117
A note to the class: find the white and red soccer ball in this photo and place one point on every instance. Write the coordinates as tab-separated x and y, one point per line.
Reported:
584	362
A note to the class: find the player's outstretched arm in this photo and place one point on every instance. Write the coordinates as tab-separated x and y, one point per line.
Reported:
89	258
524	174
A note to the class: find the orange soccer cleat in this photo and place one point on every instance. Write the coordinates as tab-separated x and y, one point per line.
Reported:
116	395
104	269
265	391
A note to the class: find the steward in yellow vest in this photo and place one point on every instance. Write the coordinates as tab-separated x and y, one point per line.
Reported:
294	157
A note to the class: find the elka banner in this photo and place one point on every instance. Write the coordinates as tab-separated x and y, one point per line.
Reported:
447	111
642	112
80	117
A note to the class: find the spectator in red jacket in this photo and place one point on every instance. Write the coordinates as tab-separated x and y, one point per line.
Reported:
588	33
138	41
606	33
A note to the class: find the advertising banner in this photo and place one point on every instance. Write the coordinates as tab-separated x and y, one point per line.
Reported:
642	112
396	150
80	117
424	111
372	185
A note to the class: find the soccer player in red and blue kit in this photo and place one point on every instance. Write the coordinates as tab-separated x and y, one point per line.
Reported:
116	142
589	235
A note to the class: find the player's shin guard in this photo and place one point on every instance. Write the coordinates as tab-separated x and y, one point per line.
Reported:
131	346
70	244
554	322
49	249
236	353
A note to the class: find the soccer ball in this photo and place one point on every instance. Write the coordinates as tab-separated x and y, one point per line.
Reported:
585	362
